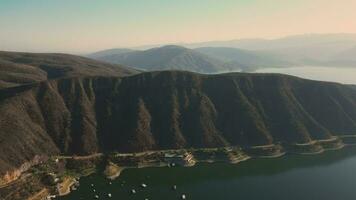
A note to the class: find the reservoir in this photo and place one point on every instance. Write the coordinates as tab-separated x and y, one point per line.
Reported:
334	74
327	176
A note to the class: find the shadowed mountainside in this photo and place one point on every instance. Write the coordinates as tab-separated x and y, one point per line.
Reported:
164	110
23	68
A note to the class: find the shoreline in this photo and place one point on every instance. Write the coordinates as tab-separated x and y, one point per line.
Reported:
335	141
245	158
189	157
248	157
65	187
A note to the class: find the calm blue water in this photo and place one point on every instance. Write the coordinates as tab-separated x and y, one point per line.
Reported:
330	176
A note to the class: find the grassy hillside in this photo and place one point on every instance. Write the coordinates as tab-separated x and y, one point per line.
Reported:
23	68
101	114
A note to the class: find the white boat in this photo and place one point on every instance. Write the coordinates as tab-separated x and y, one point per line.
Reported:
49	197
183	196
143	185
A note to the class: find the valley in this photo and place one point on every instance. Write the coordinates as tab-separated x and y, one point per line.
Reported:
64	128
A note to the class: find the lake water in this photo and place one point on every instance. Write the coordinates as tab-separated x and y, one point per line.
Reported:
334	74
329	176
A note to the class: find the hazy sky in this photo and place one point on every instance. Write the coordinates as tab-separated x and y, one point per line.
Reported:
88	25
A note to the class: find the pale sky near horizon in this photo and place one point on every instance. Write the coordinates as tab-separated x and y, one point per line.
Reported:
81	26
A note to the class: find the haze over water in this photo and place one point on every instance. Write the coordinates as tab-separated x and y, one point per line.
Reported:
333	74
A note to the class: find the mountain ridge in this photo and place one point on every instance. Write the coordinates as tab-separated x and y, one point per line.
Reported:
250	60
23	68
250	54
85	115
260	43
170	57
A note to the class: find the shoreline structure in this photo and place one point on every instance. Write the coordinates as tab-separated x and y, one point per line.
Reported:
117	162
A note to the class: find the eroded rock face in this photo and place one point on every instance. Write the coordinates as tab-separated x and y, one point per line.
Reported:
10	176
13	175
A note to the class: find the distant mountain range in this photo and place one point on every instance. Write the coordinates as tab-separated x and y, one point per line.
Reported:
347	57
248	60
109	52
246	55
203	60
308	49
342	40
165	58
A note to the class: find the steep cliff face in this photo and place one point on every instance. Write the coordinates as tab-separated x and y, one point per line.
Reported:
164	110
